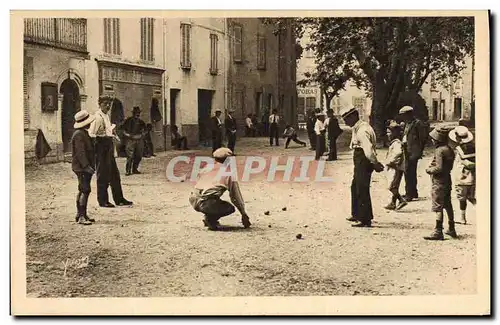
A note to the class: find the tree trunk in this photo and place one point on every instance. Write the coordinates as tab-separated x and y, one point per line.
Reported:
328	100
378	114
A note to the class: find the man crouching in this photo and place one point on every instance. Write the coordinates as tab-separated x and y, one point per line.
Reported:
206	197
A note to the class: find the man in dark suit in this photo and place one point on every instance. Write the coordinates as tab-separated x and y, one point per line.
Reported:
311	121
414	139
230	124
334	131
216	131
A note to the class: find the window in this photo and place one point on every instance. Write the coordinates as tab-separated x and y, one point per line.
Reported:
301	108
237	43
213	53
28	66
359	104
261	55
147	37
258	103
270	101
310	103
336	105
112	36
185	46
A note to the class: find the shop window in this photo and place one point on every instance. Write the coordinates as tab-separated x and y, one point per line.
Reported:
147	39
185	46
112	36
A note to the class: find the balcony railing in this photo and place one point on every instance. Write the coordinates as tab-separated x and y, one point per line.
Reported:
66	33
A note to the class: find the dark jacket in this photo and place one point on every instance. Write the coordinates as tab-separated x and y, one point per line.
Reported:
230	124
216	126
82	151
334	129
134	126
416	137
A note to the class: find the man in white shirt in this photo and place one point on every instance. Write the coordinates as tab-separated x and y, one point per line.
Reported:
365	161
107	171
249	127
274	120
320	131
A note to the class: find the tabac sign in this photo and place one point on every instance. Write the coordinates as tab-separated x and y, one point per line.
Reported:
307	91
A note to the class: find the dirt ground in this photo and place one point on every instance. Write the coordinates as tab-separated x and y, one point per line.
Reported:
159	246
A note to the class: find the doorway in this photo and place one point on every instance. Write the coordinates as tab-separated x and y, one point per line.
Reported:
174	101
70	106
457	108
204	112
435	107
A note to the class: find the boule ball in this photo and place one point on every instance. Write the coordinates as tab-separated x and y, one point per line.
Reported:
299	236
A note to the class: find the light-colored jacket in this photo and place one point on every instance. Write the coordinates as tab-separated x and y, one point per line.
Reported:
395	156
364	137
466	167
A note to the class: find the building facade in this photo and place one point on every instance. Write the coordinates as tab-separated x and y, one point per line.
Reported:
55	82
261	70
195	60
453	100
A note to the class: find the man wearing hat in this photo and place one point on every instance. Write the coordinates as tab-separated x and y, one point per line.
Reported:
134	130
106	169
465	184
414	140
274	120
363	143
216	131
230	124
320	132
440	172
206	197
311	121
83	163
333	131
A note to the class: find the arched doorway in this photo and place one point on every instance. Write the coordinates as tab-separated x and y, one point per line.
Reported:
117	117
70	106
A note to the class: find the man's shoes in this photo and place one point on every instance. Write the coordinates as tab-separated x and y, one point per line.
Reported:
352	219
83	221
124	202
246	222
211	225
107	205
362	225
128	173
136	172
435	235
401	205
390	206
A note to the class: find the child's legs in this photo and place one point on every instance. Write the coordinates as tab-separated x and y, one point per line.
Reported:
287	142
447	203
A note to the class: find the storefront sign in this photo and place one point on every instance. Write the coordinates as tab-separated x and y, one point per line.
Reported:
307	91
112	73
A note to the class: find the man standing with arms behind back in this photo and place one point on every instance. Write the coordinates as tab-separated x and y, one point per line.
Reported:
230	124
363	143
414	139
216	126
106	169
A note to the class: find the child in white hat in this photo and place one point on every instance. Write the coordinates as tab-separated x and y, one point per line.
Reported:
465	184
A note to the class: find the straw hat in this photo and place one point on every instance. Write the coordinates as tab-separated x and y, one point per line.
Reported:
222	153
461	134
439	134
83	118
405	109
346	112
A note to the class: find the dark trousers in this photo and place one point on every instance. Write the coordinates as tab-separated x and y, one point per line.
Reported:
135	151
320	146
312	140
216	208
84	190
216	141
295	139
231	141
181	143
411	178
332	145
273	134
361	203
107	172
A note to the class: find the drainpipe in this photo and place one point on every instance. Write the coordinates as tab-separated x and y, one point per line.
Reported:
226	65
164	85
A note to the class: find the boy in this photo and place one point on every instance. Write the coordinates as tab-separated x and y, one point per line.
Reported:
395	165
206	197
462	139
440	171
83	163
291	134
178	140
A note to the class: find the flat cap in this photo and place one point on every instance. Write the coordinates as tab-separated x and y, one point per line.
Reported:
405	109
104	99
222	153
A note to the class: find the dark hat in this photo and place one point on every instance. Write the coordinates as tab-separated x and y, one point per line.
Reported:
348	112
104	99
136	109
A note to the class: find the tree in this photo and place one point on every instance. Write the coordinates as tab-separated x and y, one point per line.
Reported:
389	55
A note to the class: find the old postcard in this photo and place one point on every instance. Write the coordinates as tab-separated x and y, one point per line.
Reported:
250	163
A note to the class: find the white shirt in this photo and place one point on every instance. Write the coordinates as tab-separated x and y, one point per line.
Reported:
271	118
363	137
101	126
249	122
319	126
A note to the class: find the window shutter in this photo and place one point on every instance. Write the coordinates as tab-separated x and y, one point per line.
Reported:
237	43
26	69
